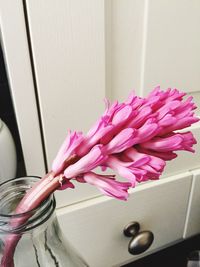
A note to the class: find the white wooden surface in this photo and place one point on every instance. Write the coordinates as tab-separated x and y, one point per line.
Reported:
192	226
14	42
68	45
172	55
86	50
125	41
69	53
95	227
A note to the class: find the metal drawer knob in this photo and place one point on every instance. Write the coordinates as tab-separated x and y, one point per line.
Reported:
140	241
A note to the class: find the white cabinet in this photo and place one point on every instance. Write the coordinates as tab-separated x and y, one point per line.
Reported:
192	226
17	59
95	227
85	50
172	43
63	57
68	45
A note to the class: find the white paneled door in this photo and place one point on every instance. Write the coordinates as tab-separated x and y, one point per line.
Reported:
63	58
84	51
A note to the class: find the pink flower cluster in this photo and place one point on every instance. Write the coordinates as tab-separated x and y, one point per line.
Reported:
134	139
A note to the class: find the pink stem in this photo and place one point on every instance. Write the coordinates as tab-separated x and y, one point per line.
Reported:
35	196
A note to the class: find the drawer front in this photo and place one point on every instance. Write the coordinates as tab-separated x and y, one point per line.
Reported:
95	227
192	226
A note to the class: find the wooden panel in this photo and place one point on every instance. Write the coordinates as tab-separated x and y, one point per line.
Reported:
69	53
68	42
85	50
171	58
172	42
125	41
192	226
80	57
15	46
95	227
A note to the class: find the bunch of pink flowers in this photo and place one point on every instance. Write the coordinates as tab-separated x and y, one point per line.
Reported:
134	139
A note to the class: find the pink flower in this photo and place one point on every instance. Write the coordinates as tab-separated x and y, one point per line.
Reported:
120	142
153	166
133	138
106	127
136	166
146	132
98	131
87	163
170	111
67	150
108	185
175	141
124	169
162	155
141	160
143	113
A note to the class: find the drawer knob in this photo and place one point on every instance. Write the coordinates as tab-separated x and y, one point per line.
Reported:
140	241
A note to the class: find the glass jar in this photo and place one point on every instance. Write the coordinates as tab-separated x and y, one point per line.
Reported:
41	243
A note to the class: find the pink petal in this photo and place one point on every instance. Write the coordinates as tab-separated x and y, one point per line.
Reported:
87	163
146	132
66	184
163	144
89	142
108	185
138	159
162	155
72	141
140	118
121	141
122	115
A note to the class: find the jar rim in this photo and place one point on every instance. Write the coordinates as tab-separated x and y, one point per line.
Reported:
39	214
27	212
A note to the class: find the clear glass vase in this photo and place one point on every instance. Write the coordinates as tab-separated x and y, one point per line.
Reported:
41	243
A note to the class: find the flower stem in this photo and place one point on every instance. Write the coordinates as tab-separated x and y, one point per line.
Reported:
32	199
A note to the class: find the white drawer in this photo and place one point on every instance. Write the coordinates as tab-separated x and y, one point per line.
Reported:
192	226
95	226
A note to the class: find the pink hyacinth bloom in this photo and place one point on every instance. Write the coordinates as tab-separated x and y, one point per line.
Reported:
138	159
146	132
176	141
143	113
171	112
108	185
107	126
67	150
134	101
153	166
87	163
121	141
162	155
98	131
135	171
133	138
